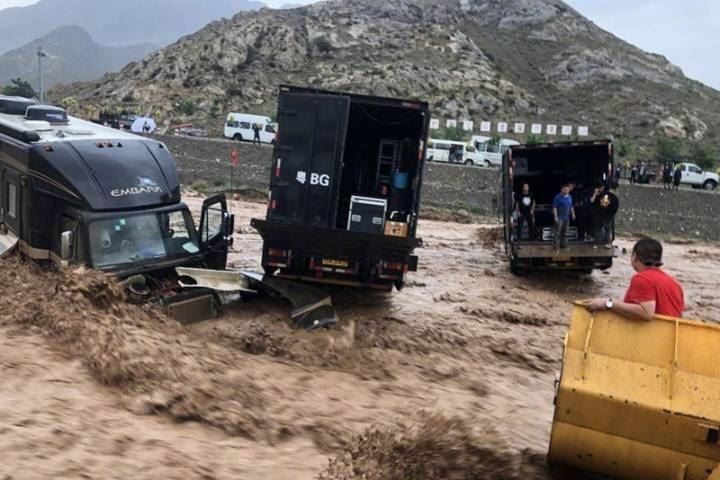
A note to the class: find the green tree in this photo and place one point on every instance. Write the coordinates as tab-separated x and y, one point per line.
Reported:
624	148
705	156
668	149
186	107
20	88
534	139
69	104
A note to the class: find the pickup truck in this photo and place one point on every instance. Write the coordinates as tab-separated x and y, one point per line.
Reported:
697	178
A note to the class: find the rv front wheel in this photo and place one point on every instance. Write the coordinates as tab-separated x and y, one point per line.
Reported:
468	163
237	137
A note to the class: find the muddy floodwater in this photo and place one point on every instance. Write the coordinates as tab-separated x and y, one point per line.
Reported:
450	378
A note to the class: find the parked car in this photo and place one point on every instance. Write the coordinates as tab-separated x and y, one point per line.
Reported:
491	152
695	176
450	151
239	126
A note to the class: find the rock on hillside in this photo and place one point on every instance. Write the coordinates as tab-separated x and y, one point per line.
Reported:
512	60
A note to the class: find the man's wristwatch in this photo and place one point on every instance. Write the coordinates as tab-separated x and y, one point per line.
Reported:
609	304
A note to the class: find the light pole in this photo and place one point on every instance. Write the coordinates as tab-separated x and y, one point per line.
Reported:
40	55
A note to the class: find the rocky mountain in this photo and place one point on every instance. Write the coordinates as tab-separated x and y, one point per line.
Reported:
72	55
499	60
115	23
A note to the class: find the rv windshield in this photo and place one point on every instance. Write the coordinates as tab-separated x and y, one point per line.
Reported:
141	238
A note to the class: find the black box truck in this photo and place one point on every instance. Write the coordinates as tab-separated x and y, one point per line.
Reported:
345	188
545	168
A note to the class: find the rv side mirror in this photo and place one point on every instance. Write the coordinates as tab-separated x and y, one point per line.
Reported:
229	228
66	241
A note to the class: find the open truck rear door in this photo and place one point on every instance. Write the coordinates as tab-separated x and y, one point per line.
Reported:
216	231
305	172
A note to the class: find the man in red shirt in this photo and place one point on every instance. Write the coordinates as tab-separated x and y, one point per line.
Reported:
652	291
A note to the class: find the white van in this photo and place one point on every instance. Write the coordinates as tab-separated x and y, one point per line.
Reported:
449	151
239	126
491	153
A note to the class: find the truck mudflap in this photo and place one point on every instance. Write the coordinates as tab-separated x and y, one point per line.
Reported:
638	399
311	307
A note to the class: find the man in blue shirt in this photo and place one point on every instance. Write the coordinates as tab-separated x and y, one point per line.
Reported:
563	211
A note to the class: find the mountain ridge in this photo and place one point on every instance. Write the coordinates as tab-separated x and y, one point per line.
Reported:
71	55
114	24
503	60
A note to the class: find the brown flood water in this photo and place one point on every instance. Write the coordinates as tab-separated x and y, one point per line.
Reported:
454	374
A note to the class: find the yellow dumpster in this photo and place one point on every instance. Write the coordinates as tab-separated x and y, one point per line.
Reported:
639	399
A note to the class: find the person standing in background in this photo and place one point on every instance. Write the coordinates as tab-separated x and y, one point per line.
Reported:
256	129
677	176
605	205
633	174
563	211
667	176
525	209
583	209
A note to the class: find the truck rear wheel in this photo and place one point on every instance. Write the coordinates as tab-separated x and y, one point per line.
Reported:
709	185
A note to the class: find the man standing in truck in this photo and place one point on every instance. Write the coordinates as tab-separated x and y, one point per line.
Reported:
563	211
525	208
651	292
605	205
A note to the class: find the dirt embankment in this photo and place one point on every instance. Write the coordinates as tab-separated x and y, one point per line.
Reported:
249	396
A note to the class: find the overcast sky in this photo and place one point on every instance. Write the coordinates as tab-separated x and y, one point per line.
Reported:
686	32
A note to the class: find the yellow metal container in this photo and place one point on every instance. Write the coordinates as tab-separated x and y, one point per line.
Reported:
639	399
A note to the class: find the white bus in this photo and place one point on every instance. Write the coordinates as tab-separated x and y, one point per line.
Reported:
239	126
449	151
491	153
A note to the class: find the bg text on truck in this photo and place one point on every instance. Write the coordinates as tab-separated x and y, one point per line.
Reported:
345	188
546	167
74	192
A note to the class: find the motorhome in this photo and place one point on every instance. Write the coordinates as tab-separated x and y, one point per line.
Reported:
74	192
345	186
491	152
449	151
240	127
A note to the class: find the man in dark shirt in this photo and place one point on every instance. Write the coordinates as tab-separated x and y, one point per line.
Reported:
677	176
563	211
651	292
525	208
605	206
256	130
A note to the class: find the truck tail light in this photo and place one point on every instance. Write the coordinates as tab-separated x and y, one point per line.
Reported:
277	168
276	252
394	265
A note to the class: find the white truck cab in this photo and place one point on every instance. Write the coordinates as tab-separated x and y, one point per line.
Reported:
697	178
449	151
